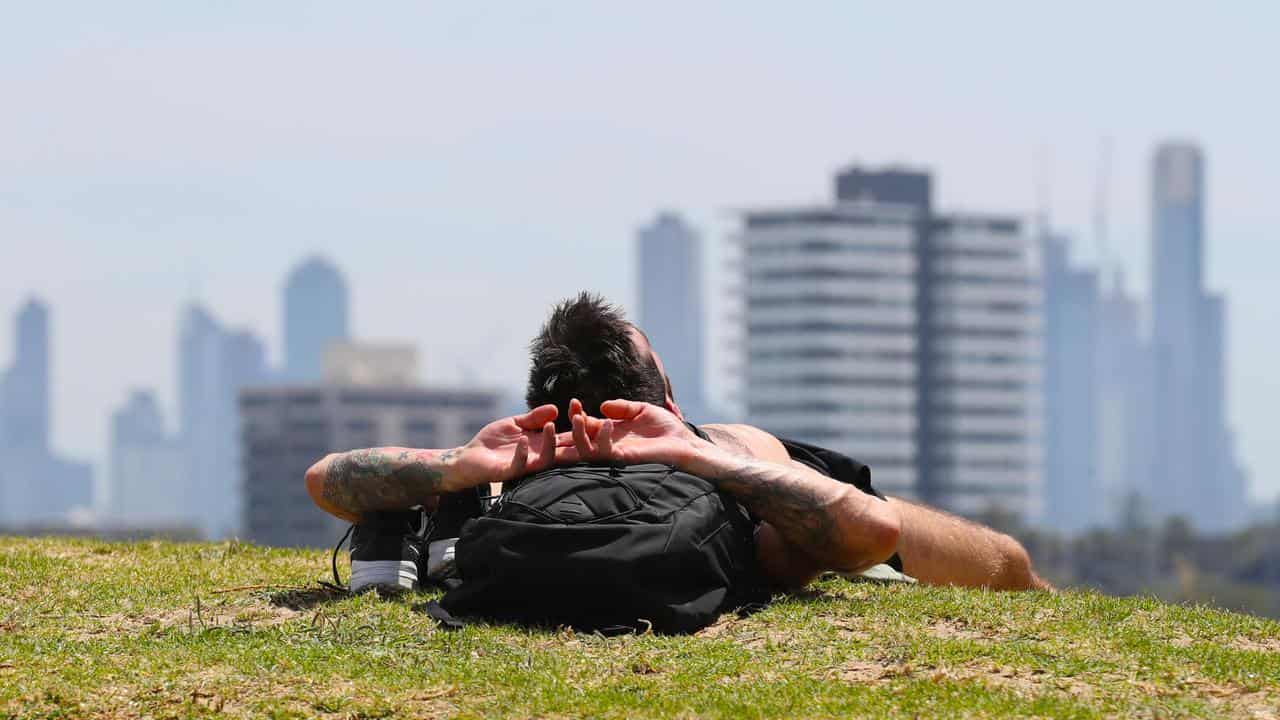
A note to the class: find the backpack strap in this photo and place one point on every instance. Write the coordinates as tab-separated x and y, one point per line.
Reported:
699	432
440	615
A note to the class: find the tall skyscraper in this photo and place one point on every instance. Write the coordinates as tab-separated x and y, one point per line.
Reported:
1124	426
148	469
1072	393
214	365
36	486
903	337
671	306
26	385
1190	475
315	316
1177	301
1225	504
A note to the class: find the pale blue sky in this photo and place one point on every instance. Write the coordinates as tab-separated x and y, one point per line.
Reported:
468	164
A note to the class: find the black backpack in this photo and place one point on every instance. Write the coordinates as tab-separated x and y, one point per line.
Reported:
608	548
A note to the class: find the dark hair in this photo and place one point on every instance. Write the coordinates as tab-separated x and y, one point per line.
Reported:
585	351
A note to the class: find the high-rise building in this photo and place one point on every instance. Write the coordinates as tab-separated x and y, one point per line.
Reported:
1177	300
214	365
1124	424
1192	475
36	486
671	306
26	385
1225	505
286	429
831	341
1072	393
315	316
901	336
147	469
981	366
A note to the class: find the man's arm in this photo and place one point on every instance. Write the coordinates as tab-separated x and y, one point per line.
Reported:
935	547
387	478
394	478
832	525
942	549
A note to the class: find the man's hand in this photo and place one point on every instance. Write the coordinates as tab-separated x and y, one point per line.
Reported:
509	448
394	478
630	433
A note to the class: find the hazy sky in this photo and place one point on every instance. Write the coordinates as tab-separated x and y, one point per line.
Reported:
467	165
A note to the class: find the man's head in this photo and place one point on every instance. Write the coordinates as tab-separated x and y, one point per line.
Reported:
588	350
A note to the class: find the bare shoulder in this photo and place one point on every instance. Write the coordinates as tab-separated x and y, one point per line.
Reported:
747	440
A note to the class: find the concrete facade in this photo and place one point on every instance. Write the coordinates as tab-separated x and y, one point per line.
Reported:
286	429
903	337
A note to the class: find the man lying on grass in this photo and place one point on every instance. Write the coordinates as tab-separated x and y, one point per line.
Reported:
599	394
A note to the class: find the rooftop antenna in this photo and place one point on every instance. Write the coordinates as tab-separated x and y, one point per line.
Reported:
1100	203
194	282
1042	183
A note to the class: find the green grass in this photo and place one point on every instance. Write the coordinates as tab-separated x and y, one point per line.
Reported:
96	629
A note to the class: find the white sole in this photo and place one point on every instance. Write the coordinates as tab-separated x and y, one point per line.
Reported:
386	573
440	559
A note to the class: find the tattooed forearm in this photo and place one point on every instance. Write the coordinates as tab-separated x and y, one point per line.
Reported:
803	511
835	525
385	478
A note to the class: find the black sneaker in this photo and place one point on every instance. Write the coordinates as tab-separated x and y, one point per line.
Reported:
386	548
443	528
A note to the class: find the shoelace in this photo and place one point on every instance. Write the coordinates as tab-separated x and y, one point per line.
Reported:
337	583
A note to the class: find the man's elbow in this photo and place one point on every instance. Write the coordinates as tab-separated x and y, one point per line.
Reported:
875	539
314	481
886	528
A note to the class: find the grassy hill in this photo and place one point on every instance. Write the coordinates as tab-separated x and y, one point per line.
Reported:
95	629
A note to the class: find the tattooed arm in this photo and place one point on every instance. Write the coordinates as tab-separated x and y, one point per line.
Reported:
390	478
387	478
833	526
812	522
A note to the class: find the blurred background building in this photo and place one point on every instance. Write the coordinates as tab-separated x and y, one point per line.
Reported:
1137	424
36	484
148	487
214	364
315	316
1194	470
672	311
902	336
831	349
1072	390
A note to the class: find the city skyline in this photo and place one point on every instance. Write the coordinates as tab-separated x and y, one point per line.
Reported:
315	277
216	360
437	154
